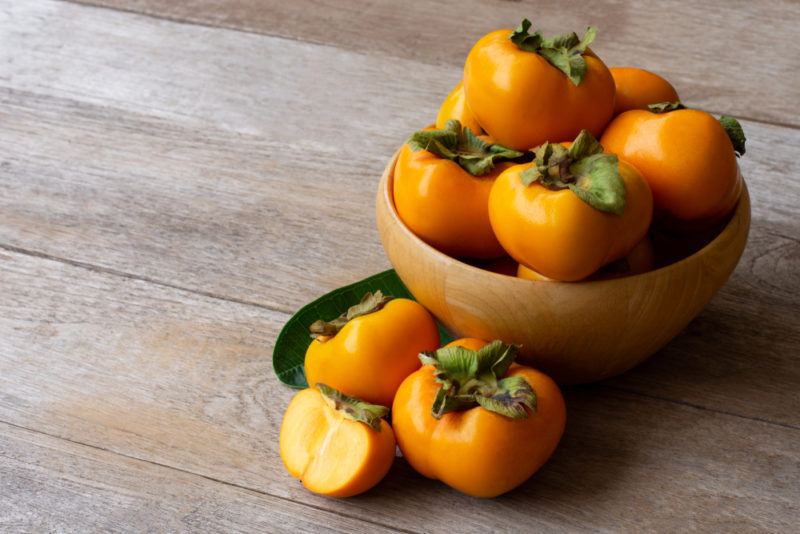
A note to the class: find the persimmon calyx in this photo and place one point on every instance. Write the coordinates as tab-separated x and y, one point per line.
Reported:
666	107
583	169
370	302
470	378
731	126
735	132
457	143
353	408
564	52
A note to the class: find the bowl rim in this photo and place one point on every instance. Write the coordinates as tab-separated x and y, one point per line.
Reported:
741	214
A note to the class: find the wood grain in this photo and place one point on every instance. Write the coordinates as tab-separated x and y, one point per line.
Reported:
714	52
185	381
52	485
197	191
169	191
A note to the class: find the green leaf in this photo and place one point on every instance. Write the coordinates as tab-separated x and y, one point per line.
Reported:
511	398
530	175
289	353
440	142
583	169
444	403
469	378
499	356
459	144
735	133
584	145
370	302
564	52
665	107
599	184
354	408
549	162
524	40
457	364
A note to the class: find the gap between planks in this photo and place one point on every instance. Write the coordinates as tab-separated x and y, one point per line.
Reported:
333	46
123	274
207	477
287	314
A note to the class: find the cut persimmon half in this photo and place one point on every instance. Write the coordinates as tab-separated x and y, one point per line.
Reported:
336	445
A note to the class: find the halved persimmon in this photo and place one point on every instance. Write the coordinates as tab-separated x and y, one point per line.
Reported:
336	445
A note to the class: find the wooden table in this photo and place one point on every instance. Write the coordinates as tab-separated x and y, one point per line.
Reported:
176	178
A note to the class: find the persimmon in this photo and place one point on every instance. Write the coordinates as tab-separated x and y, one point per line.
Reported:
455	107
473	419
571	211
687	157
525	89
335	444
369	350
638	88
639	260
441	189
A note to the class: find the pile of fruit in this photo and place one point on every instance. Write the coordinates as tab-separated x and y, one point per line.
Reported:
514	166
464	414
545	157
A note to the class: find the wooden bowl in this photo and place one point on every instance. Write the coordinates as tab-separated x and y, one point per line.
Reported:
575	331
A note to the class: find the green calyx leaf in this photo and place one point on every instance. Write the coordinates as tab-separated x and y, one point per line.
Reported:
583	169
459	144
353	408
370	302
471	378
735	132
665	107
598	183
564	52
512	396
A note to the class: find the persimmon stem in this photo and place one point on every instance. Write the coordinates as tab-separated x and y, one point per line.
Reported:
470	378
370	302
457	143
666	107
354	408
564	52
583	169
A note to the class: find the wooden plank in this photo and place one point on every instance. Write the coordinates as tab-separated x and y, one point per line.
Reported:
230	216
184	380
52	485
714	52
224	205
239	83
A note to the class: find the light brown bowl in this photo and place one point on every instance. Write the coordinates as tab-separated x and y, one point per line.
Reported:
576	331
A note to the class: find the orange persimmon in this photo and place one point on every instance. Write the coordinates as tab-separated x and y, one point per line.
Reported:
571	211
473	419
336	445
638	88
524	89
369	350
455	107
687	157
639	260
441	189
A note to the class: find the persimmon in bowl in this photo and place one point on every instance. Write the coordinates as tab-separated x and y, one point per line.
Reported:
577	332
